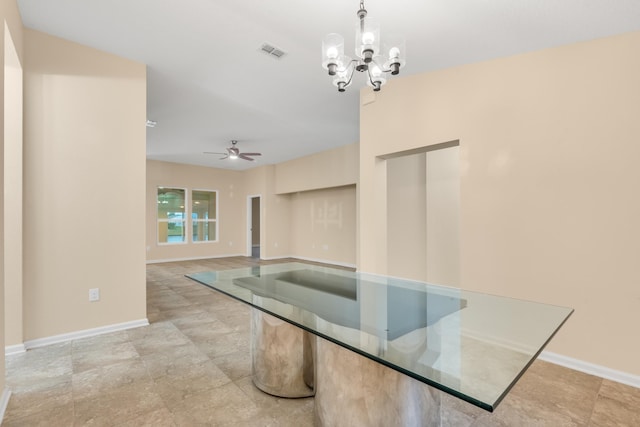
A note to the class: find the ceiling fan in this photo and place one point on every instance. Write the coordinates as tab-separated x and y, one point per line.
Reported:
233	152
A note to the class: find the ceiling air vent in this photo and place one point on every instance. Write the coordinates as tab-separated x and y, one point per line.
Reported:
272	50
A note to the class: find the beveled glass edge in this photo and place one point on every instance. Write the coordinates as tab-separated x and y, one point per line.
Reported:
533	359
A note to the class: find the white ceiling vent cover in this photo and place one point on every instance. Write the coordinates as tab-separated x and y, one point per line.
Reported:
272	51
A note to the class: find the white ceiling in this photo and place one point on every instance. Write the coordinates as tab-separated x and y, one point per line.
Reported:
208	82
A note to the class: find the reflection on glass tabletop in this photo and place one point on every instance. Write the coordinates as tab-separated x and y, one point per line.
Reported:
472	345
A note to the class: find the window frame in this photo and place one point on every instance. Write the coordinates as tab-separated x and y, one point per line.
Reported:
215	220
185	222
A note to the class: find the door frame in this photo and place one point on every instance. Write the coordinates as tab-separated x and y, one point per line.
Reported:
249	223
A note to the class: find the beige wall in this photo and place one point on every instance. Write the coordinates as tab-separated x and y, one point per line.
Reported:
323	224
3	125
286	222
276	220
12	193
332	168
231	220
423	211
443	216
11	24
234	189
318	195
84	174
407	216
274	212
549	177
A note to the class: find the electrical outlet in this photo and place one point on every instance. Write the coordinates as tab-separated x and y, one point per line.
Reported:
94	294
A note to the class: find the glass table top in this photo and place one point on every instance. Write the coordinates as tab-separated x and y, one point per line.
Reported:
472	345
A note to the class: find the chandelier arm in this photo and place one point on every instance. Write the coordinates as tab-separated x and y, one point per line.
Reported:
353	71
353	61
380	67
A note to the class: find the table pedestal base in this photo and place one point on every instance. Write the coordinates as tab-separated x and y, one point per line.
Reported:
282	356
352	390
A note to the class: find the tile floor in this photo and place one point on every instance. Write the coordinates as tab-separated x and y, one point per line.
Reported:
191	367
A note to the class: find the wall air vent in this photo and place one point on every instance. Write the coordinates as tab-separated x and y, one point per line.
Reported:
272	51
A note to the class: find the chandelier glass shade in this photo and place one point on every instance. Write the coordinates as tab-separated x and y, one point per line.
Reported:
372	57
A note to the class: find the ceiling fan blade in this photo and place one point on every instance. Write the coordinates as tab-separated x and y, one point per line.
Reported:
244	156
226	156
211	152
252	154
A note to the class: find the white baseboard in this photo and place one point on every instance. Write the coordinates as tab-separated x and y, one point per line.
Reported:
14	349
160	261
271	258
40	342
515	346
4	401
591	368
323	261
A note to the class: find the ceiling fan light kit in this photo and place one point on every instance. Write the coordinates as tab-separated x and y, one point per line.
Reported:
370	58
234	153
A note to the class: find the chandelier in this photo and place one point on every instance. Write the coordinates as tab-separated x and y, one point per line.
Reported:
370	58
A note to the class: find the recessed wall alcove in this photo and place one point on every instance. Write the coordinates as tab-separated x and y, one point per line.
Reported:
423	204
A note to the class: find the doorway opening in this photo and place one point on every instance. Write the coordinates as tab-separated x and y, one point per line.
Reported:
253	226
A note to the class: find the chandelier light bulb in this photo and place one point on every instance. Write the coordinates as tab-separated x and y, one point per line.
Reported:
332	49
332	52
376	74
395	45
368	38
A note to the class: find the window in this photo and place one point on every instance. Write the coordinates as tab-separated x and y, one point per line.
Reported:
171	215
204	215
